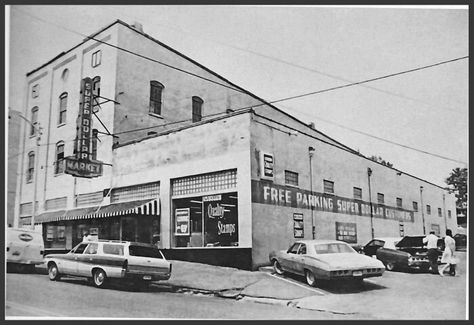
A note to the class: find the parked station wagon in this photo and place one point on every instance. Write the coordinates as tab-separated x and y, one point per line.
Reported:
325	259
102	260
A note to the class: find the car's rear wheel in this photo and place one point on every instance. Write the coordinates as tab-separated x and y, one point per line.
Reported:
53	272
310	278
277	267
390	266
99	278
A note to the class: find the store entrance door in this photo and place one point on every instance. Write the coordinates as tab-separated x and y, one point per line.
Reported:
129	229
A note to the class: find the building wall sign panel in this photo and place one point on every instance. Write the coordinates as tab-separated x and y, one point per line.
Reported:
279	195
220	224
266	165
82	165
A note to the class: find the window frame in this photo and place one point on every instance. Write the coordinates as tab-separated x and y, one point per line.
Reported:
449	214
399	202
30	171
96	58
155	105
34	121
356	190
197	103
328	182
380	198
289	180
59	162
440	212
62	108
428	209
415	206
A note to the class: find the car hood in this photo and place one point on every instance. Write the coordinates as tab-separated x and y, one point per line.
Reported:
352	260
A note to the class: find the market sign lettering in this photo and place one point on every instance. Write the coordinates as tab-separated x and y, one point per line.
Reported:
273	194
82	164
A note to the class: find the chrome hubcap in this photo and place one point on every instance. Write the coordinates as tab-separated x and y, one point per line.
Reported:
99	278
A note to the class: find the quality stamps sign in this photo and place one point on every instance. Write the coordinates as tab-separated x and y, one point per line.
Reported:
269	193
82	164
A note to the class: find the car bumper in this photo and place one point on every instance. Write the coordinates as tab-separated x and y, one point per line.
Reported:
146	276
418	264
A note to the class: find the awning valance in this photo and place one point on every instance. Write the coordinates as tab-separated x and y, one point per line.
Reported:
143	207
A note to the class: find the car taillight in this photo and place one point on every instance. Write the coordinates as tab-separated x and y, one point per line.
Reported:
8	248
41	252
170	267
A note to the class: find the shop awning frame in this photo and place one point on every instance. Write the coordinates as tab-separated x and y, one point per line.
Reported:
140	207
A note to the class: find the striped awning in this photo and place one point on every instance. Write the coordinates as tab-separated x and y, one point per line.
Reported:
141	207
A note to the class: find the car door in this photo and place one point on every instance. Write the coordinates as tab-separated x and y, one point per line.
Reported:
85	260
300	259
371	248
289	258
75	259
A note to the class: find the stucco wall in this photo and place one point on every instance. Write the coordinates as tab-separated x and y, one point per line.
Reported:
221	145
273	224
133	84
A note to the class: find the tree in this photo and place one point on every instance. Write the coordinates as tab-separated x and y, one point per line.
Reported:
380	160
457	181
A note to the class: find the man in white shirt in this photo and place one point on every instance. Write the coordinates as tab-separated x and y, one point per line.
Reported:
431	242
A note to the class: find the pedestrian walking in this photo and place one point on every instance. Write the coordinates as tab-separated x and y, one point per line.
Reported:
448	254
432	244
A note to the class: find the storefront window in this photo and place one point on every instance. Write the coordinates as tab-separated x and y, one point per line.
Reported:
206	221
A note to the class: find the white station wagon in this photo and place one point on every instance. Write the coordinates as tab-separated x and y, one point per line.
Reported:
102	260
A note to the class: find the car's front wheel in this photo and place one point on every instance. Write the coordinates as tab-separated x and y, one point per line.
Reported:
277	267
310	278
53	272
99	278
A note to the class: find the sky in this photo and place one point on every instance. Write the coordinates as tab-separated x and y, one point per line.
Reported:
277	52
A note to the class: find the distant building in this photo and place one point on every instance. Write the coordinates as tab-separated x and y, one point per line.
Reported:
14	122
197	165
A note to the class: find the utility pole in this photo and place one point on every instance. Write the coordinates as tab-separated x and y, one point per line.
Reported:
311	153
422	212
369	173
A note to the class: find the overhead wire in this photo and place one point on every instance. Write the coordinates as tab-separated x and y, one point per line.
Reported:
273	101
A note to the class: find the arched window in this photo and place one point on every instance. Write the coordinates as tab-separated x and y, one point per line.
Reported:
62	108
197	109
156	90
59	163
95	92
34	120
31	167
65	74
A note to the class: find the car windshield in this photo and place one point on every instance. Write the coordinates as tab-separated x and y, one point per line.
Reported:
333	248
144	251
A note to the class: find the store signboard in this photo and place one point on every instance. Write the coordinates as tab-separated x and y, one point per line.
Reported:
220	221
347	232
266	165
82	164
266	192
402	229
182	217
298	225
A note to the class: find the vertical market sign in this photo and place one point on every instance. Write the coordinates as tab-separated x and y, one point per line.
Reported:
182	219
82	164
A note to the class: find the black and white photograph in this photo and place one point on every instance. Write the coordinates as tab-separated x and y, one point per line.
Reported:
236	162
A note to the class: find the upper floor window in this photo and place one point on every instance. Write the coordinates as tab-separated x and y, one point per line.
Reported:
357	193
197	109
31	167
380	198
59	164
328	186
35	91
96	58
415	206
65	74
62	108
156	90
449	213
291	178
34	120
399	202
428	209
440	214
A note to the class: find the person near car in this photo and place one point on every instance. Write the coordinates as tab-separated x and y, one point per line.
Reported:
448	254
432	244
